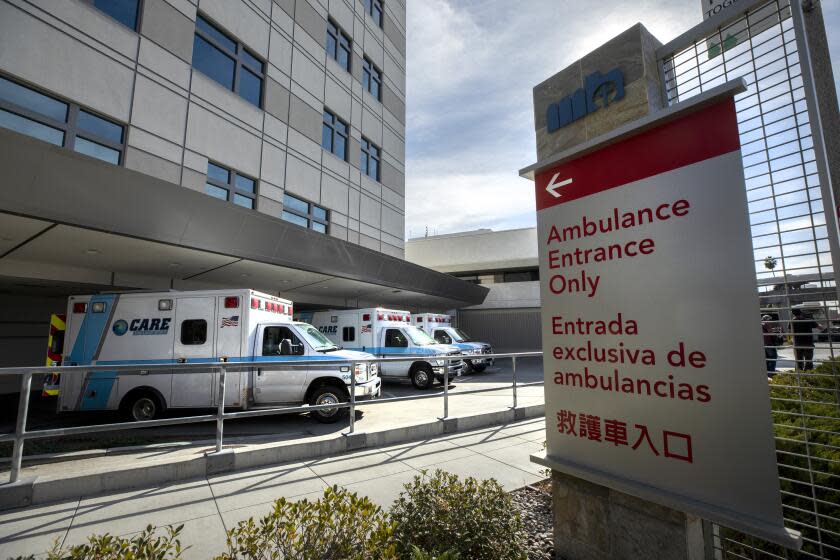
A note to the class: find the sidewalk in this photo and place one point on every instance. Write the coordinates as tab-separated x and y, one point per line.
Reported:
209	506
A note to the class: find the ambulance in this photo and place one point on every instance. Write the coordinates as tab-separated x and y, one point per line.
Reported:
387	333
439	326
239	326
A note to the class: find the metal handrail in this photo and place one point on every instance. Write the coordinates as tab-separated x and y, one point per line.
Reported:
21	434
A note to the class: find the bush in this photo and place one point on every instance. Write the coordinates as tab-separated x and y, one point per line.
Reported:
338	526
144	546
442	514
417	554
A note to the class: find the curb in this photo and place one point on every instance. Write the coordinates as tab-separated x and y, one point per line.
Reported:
40	490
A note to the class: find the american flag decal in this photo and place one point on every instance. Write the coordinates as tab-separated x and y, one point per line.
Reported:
365	329
230	321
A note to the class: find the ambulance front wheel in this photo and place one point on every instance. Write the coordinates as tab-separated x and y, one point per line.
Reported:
141	405
478	368
422	376
328	394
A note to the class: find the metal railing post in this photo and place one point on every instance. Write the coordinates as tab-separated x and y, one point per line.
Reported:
513	365
20	428
220	414
352	398
446	389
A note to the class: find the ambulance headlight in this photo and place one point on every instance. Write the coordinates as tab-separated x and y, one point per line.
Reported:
361	373
440	362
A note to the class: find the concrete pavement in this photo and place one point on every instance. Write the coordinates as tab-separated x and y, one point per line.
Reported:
210	505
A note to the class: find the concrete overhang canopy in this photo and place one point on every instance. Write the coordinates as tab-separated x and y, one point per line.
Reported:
59	201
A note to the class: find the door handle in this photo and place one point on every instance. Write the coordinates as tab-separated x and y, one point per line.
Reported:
259	371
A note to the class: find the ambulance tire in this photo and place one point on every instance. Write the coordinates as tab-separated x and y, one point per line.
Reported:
478	368
422	377
328	394
141	405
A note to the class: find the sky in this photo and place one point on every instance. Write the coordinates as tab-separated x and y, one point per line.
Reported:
471	67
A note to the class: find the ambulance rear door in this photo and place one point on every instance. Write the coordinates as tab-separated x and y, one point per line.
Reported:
194	342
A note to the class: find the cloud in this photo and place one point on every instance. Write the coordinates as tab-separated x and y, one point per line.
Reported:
471	66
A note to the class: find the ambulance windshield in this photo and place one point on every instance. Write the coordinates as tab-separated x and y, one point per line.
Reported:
418	337
319	342
457	335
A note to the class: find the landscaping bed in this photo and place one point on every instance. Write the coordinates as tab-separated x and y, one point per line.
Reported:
534	506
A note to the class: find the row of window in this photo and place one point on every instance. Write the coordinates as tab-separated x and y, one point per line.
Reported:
339	48
60	122
334	134
229	62
232	186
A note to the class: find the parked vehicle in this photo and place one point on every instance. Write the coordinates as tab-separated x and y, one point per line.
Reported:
440	327
388	333
202	327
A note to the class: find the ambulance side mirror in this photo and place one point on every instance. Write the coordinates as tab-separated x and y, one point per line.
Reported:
286	347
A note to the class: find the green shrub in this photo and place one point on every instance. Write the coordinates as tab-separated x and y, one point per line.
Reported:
144	546
338	526
417	554
443	514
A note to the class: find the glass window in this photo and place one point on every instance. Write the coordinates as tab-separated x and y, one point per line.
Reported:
338	45
57	122
292	203
31	128
418	337
124	11
304	213
218	172
99	126
334	135
250	87
369	159
212	62
394	338
94	149
26	98
273	338
217	192
244	183
193	332
226	184
348	334
227	61
252	61
442	337
243	201
371	78
217	35
374	8
295	219
319	213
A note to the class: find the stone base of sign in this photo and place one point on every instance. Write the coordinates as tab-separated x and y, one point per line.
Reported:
593	522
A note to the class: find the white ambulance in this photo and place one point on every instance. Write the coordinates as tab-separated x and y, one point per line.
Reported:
388	333
201	327
439	326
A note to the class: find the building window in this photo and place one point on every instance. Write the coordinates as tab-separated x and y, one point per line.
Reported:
127	12
305	214
60	123
224	184
372	79
227	61
374	8
338	45
369	163
334	135
520	276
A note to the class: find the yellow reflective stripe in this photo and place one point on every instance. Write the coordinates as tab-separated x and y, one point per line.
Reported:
56	322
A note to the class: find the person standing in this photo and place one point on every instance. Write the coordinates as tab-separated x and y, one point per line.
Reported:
771	352
803	327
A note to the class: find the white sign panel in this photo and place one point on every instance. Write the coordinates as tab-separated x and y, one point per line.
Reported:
654	364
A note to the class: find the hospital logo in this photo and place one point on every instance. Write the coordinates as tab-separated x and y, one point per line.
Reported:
120	327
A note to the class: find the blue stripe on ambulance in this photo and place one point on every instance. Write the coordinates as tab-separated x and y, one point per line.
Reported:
98	385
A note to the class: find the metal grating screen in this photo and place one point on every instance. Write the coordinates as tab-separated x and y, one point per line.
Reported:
793	259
